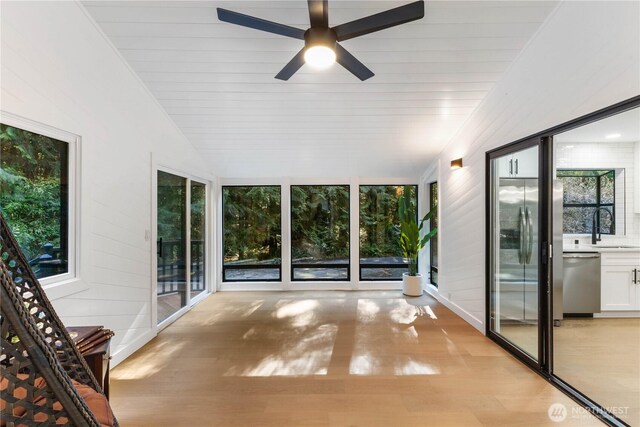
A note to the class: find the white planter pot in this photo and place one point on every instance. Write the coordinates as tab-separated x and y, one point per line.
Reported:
412	285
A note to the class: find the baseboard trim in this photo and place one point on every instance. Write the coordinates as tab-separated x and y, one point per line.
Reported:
466	316
616	314
134	346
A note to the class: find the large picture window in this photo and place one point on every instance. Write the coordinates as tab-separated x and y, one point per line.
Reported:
251	232
320	232
34	197
585	192
380	253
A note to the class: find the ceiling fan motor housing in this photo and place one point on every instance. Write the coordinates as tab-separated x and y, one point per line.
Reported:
320	36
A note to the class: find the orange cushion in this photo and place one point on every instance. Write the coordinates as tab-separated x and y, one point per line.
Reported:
97	402
19	393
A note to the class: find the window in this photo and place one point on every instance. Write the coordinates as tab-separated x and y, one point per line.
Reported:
34	197
320	232
584	192
433	243
380	253
251	232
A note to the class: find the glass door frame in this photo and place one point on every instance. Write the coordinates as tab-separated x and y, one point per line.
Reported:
544	366
208	242
543	144
209	246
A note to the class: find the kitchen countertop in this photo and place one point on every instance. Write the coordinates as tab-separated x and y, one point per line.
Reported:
599	248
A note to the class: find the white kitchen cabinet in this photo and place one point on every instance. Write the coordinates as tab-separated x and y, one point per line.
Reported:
523	164
620	281
618	290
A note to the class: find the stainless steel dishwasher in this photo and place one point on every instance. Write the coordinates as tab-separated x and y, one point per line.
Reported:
581	284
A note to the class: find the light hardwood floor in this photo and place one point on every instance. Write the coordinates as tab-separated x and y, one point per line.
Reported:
598	356
328	359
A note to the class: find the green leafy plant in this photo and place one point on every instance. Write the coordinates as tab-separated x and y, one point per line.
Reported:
410	241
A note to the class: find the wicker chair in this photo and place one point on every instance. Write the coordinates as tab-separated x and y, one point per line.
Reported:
44	379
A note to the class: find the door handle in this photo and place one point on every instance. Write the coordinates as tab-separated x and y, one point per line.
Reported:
516	166
511	167
580	256
529	233
521	242
159	247
635	276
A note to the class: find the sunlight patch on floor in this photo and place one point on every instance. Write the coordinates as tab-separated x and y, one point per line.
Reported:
367	310
415	367
301	355
397	365
149	363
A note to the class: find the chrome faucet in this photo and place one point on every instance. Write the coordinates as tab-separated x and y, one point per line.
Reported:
596	229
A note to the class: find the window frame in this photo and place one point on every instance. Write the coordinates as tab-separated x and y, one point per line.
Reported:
433	188
64	284
404	264
598	203
208	236
290	231
223	268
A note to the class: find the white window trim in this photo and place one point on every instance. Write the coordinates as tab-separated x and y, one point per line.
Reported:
286	284
70	282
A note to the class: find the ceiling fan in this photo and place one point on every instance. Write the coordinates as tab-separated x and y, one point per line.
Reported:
321	48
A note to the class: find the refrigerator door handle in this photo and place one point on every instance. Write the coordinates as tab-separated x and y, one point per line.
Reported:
521	244
529	235
511	167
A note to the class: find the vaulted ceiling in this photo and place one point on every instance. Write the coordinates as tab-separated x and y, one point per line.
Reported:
216	81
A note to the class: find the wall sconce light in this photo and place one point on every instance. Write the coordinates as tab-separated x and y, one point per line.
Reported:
456	164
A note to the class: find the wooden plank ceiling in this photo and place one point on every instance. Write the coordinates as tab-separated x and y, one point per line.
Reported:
216	81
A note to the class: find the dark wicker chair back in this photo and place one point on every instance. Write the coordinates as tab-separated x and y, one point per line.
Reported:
38	358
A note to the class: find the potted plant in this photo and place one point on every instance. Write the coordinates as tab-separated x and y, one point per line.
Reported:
411	243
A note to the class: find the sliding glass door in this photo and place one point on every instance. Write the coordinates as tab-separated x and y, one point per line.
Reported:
562	259
514	246
172	244
181	243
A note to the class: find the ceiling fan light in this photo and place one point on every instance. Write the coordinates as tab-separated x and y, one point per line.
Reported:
320	57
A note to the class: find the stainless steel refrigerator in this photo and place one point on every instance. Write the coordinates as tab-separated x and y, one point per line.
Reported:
519	247
518	271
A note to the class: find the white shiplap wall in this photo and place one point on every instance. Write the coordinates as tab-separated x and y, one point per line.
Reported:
59	69
585	57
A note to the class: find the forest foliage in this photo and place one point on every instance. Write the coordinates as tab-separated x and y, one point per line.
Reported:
251	223
319	222
32	186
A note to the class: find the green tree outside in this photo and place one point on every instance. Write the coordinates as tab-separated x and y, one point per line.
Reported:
33	188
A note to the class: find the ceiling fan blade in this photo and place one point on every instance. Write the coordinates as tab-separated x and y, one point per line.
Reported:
319	13
380	21
259	24
293	66
348	61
